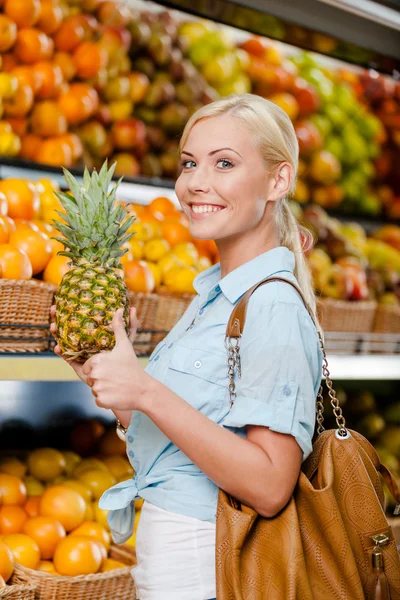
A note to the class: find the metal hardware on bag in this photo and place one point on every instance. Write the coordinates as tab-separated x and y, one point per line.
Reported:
396	510
233	362
341	436
377	558
380	539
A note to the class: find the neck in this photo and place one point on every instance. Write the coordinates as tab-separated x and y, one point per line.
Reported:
244	246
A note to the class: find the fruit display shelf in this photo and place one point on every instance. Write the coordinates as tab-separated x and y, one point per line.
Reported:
46	367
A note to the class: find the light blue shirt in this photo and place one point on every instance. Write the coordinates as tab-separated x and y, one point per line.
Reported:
281	374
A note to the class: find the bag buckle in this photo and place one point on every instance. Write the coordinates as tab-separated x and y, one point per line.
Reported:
380	539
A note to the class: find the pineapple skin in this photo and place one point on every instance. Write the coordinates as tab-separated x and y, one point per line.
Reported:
86	301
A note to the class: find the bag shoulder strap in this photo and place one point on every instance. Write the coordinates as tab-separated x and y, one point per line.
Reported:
238	317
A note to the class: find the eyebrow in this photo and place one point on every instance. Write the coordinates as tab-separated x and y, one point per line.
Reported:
213	152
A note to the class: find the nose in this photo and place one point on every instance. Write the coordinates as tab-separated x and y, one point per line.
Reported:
198	181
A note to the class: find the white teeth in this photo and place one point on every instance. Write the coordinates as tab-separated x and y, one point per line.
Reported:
205	208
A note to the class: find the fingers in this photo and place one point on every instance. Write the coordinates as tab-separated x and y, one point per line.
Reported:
118	325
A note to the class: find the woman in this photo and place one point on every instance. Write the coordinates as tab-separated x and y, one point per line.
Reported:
239	160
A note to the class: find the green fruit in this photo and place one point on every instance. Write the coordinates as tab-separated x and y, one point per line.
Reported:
370	204
367	169
200	53
219	69
355	149
335	145
335	115
322	123
193	30
241	84
369	126
344	98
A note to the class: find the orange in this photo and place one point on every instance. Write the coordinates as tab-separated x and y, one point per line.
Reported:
12	519
24	549
47	119
72	460
50	17
32	506
74	142
80	487
6	561
109	564
138	276
89	58
46	463
66	64
114	14
24	13
78	103
180	280
117	465
21	103
55	151
162	205
98	481
29	146
24	225
12	490
70	34
95	530
100	515
22	198
43	227
56	268
111	444
77	555
14	264
51	79
13	466
9	62
19	125
4	235
32	45
8	33
37	247
206	248
3	206
154	250
28	75
175	233
143	231
47	533
65	505
187	252
46	566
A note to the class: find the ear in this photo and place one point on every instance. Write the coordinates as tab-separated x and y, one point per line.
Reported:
280	182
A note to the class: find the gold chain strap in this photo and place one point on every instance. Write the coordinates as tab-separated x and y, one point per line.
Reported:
233	363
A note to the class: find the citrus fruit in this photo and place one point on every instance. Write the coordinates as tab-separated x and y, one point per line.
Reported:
12	490
79	487
154	250
35	244
180	280
13	466
24	549
22	198
95	530
138	277
109	564
6	561
14	263
65	505
117	465
77	555
31	506
72	460
46	566
98	481
46	463
47	533
12	519
88	464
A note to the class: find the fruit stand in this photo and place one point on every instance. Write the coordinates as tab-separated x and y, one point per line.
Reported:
84	81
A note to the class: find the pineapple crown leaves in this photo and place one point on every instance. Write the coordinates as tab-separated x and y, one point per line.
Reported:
93	227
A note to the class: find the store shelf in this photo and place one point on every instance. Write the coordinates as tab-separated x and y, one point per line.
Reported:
37	367
362	32
342	367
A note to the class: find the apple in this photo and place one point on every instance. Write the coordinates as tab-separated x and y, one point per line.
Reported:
115	39
118	88
309	137
359	279
307	97
127	164
325	168
128	133
335	283
139	85
329	196
93	136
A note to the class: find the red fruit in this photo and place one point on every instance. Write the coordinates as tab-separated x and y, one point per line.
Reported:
306	96
309	138
128	134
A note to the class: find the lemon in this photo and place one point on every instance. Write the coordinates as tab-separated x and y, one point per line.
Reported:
180	280
202	264
154	250
33	486
46	464
169	261
72	460
155	269
13	466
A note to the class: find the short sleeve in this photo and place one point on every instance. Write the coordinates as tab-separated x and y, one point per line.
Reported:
281	372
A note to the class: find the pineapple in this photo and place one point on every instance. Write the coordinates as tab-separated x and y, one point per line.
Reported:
93	289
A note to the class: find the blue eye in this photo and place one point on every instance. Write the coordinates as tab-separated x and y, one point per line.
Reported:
226	164
187	164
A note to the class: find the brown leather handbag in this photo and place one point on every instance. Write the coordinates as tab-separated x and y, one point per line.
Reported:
332	541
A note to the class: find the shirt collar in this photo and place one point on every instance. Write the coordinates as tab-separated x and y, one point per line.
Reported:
237	282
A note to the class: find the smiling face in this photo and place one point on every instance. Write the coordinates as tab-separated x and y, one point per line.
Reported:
224	185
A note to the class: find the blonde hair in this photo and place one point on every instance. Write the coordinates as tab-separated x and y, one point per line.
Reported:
274	135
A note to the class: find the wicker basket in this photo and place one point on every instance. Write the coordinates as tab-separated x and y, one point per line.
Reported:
157	315
21	588
25	315
111	585
387	319
342	315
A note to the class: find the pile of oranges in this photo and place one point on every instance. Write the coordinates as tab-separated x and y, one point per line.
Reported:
60	61
49	515
161	255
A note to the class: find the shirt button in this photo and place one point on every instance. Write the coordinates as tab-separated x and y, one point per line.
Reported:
157	357
131	453
130	439
170	345
201	311
197	364
286	390
191	326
